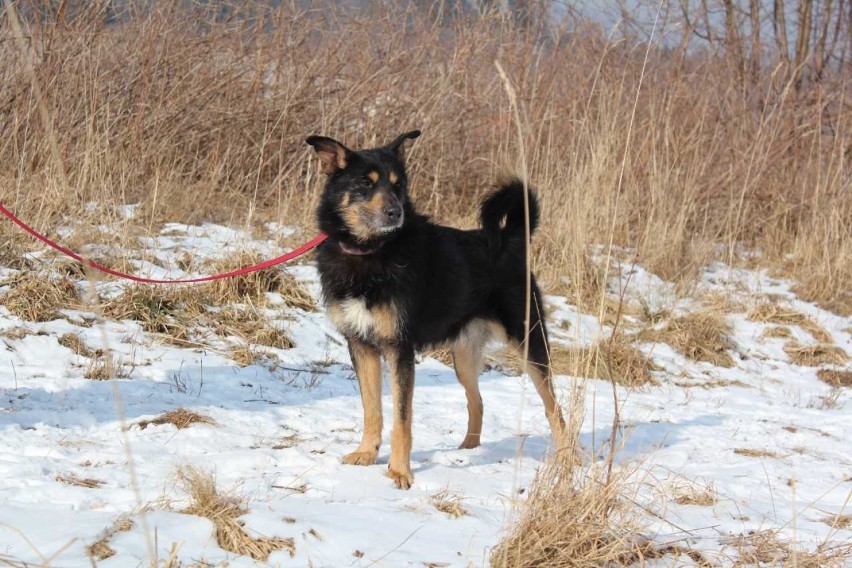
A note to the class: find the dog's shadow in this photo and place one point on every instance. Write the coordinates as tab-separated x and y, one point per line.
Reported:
488	453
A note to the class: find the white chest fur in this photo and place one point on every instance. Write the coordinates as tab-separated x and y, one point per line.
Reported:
353	317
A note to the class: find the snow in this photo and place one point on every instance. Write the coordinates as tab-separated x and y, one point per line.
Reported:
281	428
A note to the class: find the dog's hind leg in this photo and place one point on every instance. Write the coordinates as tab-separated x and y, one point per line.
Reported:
539	370
368	368
401	361
538	354
467	358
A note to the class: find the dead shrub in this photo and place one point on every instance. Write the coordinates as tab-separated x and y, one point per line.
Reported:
574	518
772	312
38	298
224	511
180	418
700	336
815	355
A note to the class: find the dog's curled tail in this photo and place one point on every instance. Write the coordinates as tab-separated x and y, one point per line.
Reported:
502	214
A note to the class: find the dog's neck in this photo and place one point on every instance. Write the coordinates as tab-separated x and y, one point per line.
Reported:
358	251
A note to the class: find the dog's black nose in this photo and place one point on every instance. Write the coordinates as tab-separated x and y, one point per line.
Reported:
393	212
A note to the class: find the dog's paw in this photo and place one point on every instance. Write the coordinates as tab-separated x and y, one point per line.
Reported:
402	480
359	458
470	441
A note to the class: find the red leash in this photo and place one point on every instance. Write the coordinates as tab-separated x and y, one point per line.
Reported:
313	243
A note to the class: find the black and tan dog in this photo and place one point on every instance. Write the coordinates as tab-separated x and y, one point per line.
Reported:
395	283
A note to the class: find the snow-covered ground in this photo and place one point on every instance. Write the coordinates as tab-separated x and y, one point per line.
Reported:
766	438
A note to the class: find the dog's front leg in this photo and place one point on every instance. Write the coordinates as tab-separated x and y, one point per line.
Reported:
401	361
368	368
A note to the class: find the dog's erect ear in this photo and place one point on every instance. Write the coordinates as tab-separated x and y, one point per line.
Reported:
396	146
333	155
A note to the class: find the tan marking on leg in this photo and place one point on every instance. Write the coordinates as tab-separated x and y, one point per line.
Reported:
401	364
374	176
385	321
467	359
392	177
543	381
368	368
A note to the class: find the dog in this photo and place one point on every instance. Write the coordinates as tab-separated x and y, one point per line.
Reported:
394	283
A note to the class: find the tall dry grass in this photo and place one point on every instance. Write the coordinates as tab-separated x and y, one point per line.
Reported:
200	113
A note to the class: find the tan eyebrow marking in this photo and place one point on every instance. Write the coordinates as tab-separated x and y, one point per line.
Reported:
393	177
374	176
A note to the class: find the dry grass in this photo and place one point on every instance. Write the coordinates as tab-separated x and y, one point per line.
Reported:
753	453
224	511
815	355
586	283
220	137
180	418
776	331
245	356
566	522
615	360
722	302
839	521
76	344
444	356
166	310
72	479
17	333
700	336
249	325
580	519
252	288
176	312
772	312
835	378
35	297
104	367
694	494
448	503
767	548
713	384
100	549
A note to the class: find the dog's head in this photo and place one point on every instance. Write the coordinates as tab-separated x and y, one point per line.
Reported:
366	195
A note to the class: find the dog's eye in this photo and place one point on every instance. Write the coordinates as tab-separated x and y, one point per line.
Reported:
362	190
